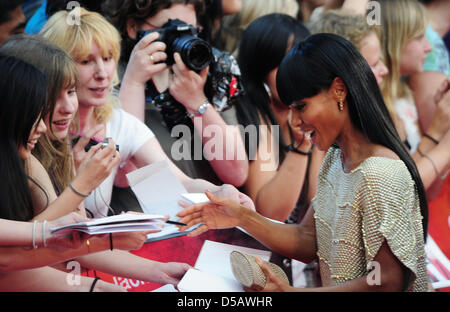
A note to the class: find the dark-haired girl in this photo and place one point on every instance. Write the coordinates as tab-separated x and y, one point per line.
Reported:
279	163
21	124
367	221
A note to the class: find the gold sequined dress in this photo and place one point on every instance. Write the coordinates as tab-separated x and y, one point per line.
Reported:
356	212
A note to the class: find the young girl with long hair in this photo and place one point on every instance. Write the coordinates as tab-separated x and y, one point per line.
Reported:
404	48
21	115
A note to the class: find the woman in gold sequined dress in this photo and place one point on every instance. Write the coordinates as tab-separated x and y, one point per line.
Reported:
367	221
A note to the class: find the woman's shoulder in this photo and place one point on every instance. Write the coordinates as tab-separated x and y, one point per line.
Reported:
381	171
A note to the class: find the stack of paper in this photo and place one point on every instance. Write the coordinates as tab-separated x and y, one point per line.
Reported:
114	224
213	272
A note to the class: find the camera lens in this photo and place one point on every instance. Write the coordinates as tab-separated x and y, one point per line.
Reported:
195	52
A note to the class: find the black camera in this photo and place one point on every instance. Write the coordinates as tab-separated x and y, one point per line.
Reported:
223	89
93	142
180	37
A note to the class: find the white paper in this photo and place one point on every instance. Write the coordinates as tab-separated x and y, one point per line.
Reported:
214	257
158	191
197	281
213	268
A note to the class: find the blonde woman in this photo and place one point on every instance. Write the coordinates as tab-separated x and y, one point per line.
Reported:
405	48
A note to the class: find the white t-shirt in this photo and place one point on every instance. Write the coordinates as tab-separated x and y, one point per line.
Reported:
130	134
407	112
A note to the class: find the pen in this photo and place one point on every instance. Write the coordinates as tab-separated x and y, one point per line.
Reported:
176	223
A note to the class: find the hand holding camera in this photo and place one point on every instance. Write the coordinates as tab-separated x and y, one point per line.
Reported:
187	86
96	166
181	38
147	59
199	72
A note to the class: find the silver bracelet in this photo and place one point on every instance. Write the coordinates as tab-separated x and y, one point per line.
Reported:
43	233
76	192
33	237
201	110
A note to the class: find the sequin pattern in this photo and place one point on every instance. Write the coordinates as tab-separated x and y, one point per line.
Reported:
356	212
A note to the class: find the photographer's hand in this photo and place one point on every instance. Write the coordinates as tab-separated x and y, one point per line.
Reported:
146	60
187	86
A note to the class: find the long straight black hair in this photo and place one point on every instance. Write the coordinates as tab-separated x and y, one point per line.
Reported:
263	46
312	65
23	90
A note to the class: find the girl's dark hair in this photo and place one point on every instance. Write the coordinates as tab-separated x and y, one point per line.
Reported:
23	94
311	66
119	11
263	45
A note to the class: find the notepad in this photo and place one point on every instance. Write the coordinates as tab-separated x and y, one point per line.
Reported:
120	223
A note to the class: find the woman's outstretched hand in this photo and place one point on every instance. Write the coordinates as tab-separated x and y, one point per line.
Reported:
219	213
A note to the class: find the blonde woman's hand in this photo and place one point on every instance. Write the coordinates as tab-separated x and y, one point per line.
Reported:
97	165
441	118
78	150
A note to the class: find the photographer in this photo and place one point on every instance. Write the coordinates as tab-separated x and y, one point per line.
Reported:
146	58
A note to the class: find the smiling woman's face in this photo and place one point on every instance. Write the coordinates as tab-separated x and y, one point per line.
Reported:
38	129
320	116
65	109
